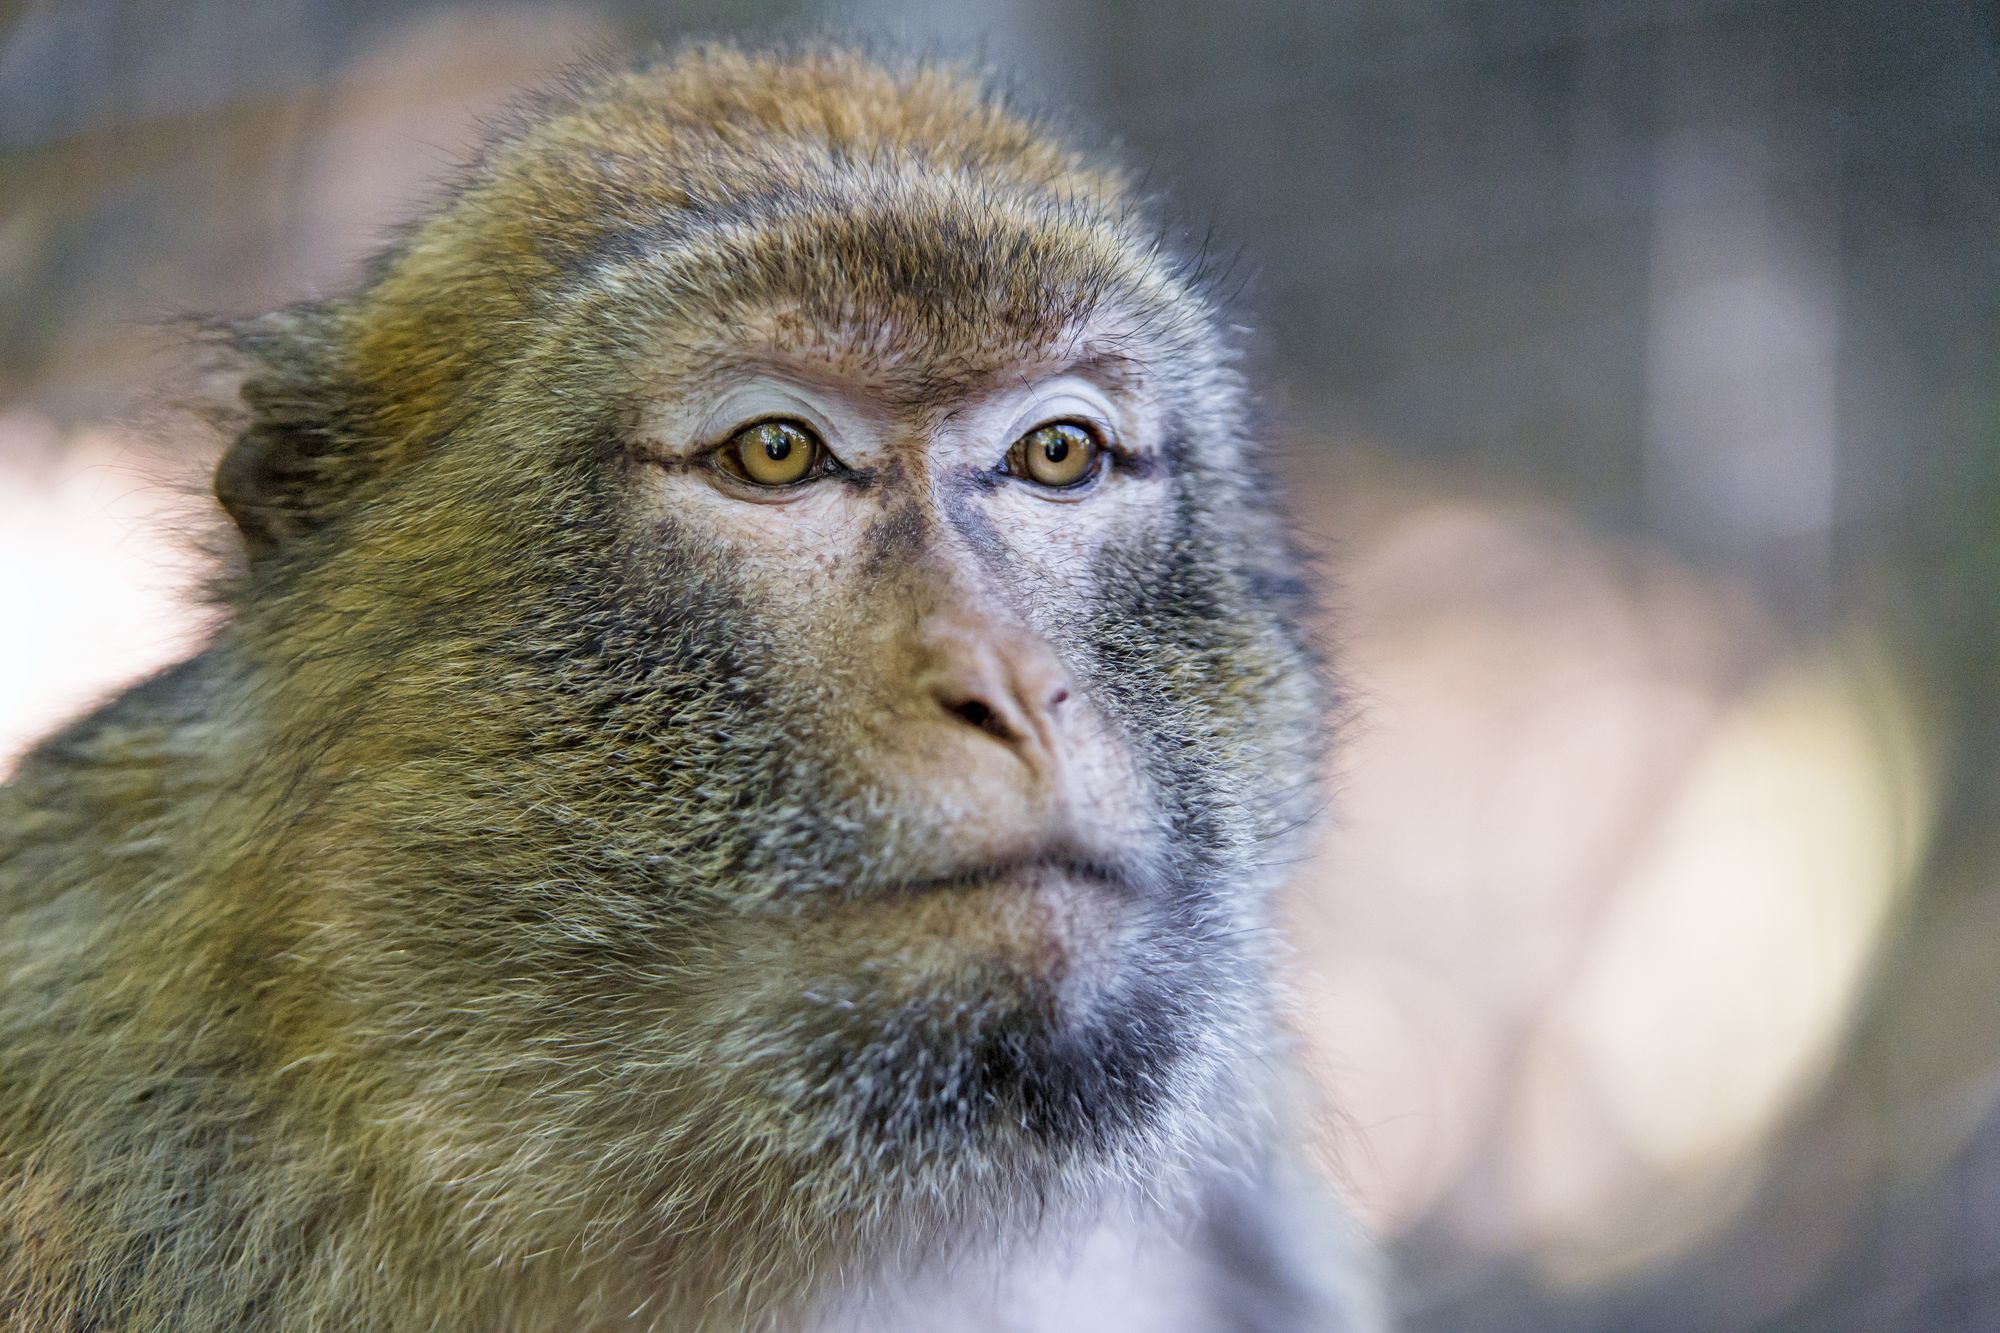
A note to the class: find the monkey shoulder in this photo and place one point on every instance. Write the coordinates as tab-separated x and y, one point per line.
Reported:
112	1116
89	810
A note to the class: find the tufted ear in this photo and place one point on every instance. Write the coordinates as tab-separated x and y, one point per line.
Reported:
298	454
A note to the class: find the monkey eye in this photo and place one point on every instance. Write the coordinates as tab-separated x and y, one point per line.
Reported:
1058	454
772	453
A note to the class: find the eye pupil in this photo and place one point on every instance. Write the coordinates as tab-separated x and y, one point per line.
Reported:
1055	448
776	447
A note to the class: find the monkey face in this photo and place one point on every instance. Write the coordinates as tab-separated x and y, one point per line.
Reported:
995	733
801	675
970	873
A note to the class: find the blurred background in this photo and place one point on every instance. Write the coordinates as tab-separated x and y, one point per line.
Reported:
1637	373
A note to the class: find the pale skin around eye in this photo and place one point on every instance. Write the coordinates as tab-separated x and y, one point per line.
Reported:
773	433
1054	469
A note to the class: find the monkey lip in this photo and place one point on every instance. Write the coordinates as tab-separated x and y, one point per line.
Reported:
1026	871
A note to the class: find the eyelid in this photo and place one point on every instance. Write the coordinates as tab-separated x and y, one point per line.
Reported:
764	419
722	427
1067	396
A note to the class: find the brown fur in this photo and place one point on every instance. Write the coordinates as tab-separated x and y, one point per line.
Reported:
458	942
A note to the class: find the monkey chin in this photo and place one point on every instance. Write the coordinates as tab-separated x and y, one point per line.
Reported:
1042	1012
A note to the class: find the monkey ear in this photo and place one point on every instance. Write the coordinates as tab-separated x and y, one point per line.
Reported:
295	456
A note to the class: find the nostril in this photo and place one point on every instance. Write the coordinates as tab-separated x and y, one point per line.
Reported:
978	713
1060	696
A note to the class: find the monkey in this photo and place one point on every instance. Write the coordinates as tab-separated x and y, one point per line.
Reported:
763	701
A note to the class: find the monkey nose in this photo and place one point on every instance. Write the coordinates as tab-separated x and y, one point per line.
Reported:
1006	685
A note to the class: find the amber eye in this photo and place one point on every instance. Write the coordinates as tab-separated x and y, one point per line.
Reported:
1062	453
773	453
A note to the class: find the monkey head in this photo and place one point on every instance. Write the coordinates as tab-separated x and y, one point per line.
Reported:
789	688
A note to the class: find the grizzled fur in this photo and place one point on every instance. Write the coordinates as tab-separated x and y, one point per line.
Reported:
436	949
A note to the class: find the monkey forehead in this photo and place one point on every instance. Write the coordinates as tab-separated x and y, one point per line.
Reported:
713	131
908	193
822	153
915	289
900	209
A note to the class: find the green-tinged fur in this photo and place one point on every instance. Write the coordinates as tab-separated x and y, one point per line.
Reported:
437	949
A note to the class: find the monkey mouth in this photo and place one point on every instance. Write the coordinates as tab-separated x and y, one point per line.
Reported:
1100	873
